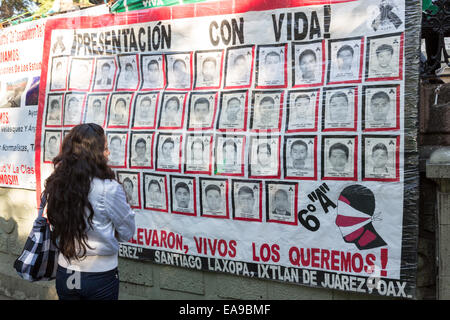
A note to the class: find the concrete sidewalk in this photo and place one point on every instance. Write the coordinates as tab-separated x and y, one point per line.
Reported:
2	297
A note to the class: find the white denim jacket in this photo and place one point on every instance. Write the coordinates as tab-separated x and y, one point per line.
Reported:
113	222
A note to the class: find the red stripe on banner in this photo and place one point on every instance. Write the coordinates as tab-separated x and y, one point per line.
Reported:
242	6
346	221
42	91
354	235
184	11
203	9
344	199
366	238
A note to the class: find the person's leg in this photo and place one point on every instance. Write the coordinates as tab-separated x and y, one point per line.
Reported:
100	285
67	284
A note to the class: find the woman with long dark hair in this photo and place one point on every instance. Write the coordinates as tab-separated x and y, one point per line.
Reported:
89	213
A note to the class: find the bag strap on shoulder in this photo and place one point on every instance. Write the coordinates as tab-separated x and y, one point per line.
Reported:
42	207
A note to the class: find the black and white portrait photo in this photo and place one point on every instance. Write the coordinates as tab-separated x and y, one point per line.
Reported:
105	74
168	152
208	70
141	149
117	146
128	78
239	67
264	156
339	109
73	108
302	110
229	155
246	200
145	106
198	153
171	114
380	158
179	71
214	198
59	73
52	144
80	74
266	111
344	61
153	72
131	186
119	110
308	61
339	157
54	110
183	195
96	109
300	154
384	57
271	66
281	202
155	192
233	111
381	107
202	109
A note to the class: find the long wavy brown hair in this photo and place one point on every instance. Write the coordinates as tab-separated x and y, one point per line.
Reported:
66	190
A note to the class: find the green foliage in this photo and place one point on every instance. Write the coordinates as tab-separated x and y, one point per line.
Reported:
36	8
10	8
44	6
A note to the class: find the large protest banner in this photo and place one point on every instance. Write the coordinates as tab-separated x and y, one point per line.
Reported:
264	139
20	70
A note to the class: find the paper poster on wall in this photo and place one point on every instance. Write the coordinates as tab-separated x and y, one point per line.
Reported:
21	48
20	70
261	139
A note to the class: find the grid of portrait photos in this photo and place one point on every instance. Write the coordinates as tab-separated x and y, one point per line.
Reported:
234	133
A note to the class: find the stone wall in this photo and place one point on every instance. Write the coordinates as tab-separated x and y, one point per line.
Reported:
17	213
434	133
426	266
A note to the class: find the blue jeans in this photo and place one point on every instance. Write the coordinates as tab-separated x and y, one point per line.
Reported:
72	285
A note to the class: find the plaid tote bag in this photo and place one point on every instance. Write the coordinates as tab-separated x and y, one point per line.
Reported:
39	258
